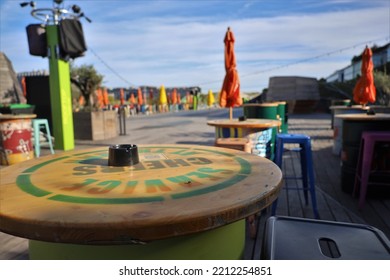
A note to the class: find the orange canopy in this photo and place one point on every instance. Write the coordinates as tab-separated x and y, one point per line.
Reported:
140	98
365	90
230	92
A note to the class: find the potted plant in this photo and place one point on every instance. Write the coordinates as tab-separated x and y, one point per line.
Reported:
91	122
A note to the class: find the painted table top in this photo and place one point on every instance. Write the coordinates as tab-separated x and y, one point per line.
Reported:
75	197
248	123
365	117
18	116
271	104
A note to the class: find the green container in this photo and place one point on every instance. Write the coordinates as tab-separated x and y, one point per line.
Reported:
342	102
261	111
16	109
282	116
264	111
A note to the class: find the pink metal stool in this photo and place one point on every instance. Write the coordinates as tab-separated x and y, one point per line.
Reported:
366	153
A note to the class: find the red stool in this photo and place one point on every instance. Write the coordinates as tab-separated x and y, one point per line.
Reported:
366	152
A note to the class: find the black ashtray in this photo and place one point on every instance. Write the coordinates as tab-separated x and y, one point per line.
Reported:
123	155
242	118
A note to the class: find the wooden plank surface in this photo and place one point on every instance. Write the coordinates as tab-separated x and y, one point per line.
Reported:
190	128
248	123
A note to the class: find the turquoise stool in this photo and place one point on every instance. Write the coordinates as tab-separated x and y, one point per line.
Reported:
37	124
306	166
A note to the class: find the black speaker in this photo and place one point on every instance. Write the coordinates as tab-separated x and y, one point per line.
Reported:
36	36
71	39
38	94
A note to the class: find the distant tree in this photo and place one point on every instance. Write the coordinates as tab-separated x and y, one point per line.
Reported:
87	80
382	85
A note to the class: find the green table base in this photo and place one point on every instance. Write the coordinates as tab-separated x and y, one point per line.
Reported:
222	243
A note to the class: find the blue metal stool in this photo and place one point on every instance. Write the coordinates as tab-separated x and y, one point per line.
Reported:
37	124
306	166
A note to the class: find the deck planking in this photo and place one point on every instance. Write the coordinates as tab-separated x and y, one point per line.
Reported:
333	203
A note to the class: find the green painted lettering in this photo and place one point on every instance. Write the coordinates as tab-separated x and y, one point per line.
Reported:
154	164
80	185
184	181
199	161
109	185
112	169
130	186
176	162
212	170
203	176
138	166
184	153
152	186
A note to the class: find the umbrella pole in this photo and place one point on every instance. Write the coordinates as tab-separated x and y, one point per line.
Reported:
231	113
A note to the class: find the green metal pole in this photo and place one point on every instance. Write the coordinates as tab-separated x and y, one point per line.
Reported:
60	94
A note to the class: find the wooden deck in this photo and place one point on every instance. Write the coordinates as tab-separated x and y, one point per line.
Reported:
333	203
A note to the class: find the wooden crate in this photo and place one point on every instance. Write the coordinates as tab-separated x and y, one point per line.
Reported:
241	144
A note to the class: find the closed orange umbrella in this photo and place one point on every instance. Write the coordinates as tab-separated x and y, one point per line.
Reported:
122	96
230	92
99	94
140	97
174	96
132	99
105	97
365	91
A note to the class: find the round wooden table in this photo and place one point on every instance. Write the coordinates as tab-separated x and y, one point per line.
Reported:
260	133
178	202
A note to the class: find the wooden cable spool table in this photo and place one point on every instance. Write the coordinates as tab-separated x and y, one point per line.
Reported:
260	132
178	202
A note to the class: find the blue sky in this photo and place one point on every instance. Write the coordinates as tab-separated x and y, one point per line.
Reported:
180	43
